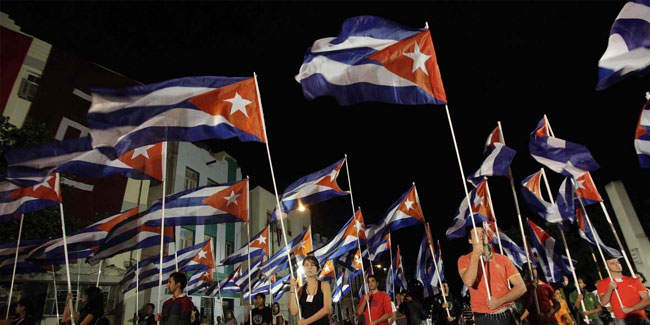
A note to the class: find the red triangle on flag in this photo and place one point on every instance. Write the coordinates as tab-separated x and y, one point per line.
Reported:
262	241
107	226
232	200
237	103
146	159
47	190
205	256
414	59
411	205
330	180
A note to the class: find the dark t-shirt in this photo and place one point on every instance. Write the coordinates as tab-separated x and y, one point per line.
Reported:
262	316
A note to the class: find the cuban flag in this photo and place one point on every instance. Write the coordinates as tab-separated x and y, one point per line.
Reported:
403	213
352	264
149	269
642	136
261	286
549	253
16	201
565	200
628	48
498	158
515	253
242	280
532	194
185	109
424	268
258	247
8	255
563	157
374	253
345	240
199	280
480	211
77	157
592	236
586	190
226	285
327	272
279	287
400	276
441	268
341	290
90	237
373	59
300	245
141	237
312	189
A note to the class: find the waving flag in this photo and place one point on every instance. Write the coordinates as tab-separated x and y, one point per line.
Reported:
341	288
91	236
77	157
199	280
565	200
515	253
186	109
592	237
642	136
226	285
374	253
435	283
532	194
327	272
549	253
345	240
497	159
586	190
16	201
480	212
400	276
313	188
8	254
352	264
403	213
424	268
258	247
373	59
279	287
628	48
141	237
242	280
300	245
564	157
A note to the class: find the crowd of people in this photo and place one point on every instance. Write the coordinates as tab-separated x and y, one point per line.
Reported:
512	298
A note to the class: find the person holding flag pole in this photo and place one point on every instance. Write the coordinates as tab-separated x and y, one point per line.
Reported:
435	264
393	270
519	219
496	226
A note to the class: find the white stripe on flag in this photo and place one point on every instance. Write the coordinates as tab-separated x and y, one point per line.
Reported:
102	103
342	74
352	42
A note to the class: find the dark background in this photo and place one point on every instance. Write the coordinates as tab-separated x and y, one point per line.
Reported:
500	61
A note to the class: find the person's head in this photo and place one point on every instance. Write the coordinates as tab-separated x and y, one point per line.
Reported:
229	315
581	283
445	288
93	298
640	276
260	298
204	319
614	265
347	312
276	308
149	308
177	282
311	266
23	307
372	282
557	295
471	234
218	319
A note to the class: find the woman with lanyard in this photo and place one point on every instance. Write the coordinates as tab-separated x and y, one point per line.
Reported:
315	296
23	313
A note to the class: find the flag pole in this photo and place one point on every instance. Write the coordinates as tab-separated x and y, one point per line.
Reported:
137	285
279	209
363	271
435	262
65	246
390	250
99	272
600	250
56	302
469	204
250	291
487	187
593	255
13	273
162	222
566	247
347	171
335	281
521	223
76	304
618	239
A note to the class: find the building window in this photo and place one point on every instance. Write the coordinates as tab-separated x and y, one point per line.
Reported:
207	309
186	238
29	86
50	308
211	182
229	248
191	178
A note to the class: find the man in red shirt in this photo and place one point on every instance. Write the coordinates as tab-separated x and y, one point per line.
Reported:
500	271
176	310
380	307
633	295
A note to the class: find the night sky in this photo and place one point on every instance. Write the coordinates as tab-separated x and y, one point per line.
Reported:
500	61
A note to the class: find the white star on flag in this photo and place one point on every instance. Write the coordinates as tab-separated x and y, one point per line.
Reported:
357	225
419	59
579	184
478	200
238	104
261	240
326	269
45	183
333	175
409	204
203	254
232	198
141	151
